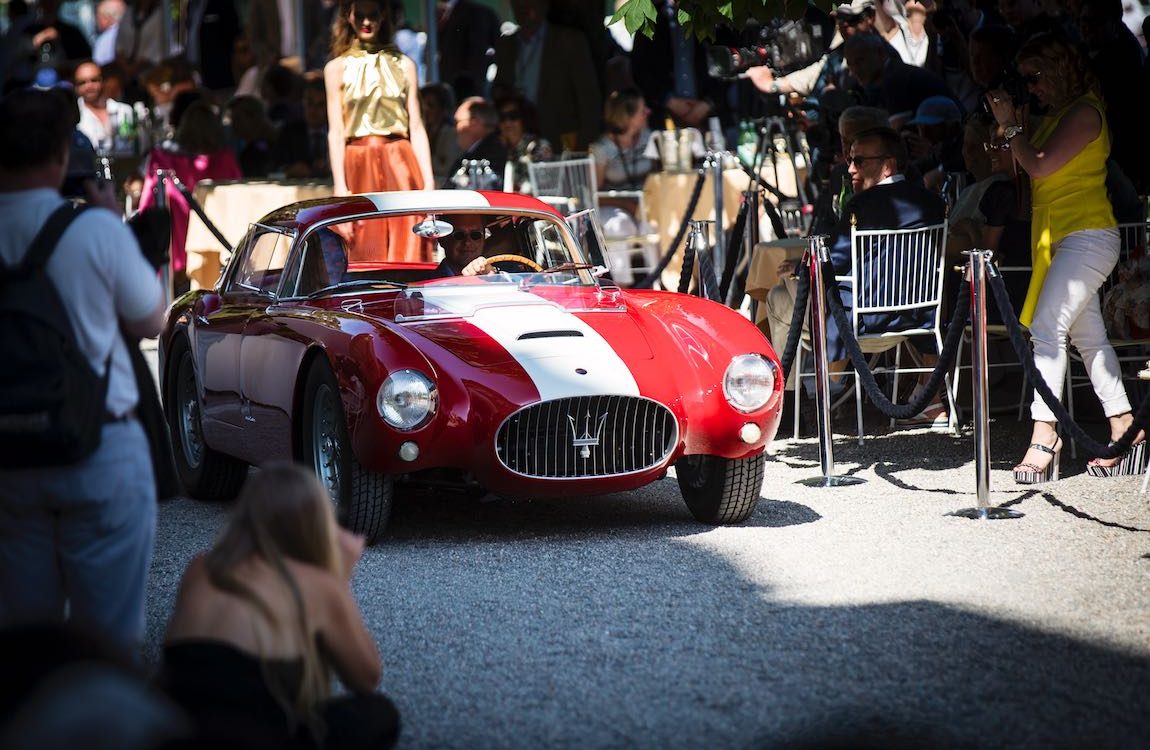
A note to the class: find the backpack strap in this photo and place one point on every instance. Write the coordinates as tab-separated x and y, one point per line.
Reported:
46	240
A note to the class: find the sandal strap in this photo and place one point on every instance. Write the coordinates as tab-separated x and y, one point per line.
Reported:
1028	468
1043	448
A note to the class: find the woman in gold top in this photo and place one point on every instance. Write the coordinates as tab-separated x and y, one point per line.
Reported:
375	131
1074	240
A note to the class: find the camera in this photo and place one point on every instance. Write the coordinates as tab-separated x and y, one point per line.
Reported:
1012	82
783	45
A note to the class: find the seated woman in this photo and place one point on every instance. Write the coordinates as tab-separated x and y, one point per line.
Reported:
264	617
620	163
199	152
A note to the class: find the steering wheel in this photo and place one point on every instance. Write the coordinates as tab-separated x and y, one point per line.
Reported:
513	258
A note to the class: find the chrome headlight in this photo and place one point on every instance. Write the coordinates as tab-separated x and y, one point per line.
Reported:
749	382
406	399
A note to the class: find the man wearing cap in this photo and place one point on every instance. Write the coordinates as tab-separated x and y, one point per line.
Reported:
934	140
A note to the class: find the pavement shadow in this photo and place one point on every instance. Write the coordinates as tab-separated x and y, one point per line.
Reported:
541	637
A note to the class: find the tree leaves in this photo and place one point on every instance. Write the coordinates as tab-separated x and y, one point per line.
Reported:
702	17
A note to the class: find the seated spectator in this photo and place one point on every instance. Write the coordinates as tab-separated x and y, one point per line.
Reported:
477	133
281	89
891	84
780	302
518	127
198	152
263	618
934	141
105	121
883	199
988	213
301	148
437	103
164	83
253	134
620	163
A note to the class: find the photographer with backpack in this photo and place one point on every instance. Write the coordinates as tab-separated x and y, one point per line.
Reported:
77	493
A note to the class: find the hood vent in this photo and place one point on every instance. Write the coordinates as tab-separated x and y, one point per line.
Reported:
549	335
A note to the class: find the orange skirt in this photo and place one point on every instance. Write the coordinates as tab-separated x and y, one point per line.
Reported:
380	164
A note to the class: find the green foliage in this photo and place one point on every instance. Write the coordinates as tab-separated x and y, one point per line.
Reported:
702	17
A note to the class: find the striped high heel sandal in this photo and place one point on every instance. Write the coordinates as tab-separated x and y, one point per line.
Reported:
1130	463
1028	473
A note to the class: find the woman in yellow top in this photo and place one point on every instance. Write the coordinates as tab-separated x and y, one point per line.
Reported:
375	131
1074	238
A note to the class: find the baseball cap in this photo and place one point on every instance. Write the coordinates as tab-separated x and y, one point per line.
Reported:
935	110
853	8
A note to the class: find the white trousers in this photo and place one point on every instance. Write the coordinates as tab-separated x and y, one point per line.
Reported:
1068	307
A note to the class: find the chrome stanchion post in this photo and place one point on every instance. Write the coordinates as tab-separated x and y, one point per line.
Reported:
976	275
160	194
715	162
815	256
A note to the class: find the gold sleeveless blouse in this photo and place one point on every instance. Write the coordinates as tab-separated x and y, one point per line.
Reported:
374	93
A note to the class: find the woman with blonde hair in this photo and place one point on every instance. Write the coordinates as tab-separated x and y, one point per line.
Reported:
264	617
620	163
376	136
1074	243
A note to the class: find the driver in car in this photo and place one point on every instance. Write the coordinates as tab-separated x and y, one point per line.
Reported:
463	248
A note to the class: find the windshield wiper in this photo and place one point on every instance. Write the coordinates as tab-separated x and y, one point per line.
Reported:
356	284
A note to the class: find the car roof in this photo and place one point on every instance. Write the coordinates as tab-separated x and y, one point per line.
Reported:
308	212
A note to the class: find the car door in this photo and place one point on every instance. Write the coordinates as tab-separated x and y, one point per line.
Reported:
249	287
270	355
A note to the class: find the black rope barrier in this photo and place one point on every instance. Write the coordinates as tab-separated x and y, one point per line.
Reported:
798	315
195	205
688	268
1026	358
708	284
692	203
735	248
858	358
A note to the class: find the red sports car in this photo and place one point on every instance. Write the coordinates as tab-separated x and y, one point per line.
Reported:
537	377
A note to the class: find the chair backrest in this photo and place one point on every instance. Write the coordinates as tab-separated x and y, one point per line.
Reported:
897	269
568	183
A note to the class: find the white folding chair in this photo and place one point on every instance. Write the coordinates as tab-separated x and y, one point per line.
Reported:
566	184
910	265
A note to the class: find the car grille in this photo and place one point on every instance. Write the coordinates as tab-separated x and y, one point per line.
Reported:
587	436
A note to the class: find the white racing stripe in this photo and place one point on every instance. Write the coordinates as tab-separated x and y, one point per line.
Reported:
554	362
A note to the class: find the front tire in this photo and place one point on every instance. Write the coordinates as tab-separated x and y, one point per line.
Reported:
206	474
719	490
362	498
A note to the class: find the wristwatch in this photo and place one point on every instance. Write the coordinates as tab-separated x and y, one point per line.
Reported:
775	87
1011	131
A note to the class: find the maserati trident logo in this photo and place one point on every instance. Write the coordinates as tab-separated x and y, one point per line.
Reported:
587	441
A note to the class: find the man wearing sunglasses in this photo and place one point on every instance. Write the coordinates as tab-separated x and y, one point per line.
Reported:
883	199
463	248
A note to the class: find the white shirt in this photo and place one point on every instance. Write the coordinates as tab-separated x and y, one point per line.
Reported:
101	135
100	274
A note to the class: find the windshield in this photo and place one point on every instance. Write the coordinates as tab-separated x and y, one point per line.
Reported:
437	249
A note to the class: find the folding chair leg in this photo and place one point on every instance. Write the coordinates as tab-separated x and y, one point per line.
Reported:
858	408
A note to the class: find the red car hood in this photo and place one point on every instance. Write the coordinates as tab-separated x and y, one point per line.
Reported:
569	342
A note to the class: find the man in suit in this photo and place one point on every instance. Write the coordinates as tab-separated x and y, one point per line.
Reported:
551	65
477	132
467	34
883	199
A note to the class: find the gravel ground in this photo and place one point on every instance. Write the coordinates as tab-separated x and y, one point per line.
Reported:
847	613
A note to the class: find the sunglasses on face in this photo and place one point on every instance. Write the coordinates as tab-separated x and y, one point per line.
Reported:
1003	146
858	161
475	234
511	114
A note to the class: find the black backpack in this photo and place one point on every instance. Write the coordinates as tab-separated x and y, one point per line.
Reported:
51	398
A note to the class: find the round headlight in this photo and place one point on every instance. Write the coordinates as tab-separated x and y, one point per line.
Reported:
749	382
406	399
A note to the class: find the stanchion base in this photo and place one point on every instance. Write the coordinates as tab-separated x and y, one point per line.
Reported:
831	481
987	514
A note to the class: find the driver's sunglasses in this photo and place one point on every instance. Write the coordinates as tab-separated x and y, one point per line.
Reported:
475	234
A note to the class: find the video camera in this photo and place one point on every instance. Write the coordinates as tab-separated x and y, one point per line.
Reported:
783	45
